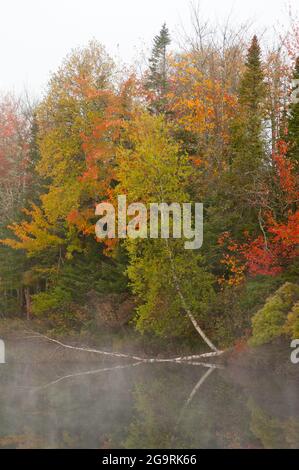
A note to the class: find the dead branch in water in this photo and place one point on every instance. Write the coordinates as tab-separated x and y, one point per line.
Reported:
195	389
180	359
80	374
210	368
88	350
190	360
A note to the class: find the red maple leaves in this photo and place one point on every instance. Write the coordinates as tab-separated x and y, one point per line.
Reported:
278	245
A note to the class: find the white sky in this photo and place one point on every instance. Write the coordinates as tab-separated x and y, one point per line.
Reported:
35	35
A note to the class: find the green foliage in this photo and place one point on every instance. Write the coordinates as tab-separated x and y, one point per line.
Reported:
269	322
11	268
86	271
247	147
59	258
153	169
252	86
273	432
231	311
151	277
292	325
293	124
54	299
200	134
157	78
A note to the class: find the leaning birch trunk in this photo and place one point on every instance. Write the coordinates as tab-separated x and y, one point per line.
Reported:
185	306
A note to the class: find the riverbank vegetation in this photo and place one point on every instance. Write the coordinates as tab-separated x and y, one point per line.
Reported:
215	122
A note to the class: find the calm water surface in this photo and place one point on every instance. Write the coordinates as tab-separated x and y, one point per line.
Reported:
70	404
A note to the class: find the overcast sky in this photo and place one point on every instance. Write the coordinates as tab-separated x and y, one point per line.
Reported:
35	35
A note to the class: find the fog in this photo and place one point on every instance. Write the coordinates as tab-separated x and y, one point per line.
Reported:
52	398
35	36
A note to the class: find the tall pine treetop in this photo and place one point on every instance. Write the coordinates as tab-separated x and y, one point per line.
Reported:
157	78
161	41
293	123
248	137
252	88
254	53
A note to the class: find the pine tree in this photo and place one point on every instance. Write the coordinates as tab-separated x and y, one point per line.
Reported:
252	86
157	79
244	179
35	181
248	140
293	123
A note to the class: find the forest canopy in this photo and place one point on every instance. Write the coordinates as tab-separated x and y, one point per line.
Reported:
216	122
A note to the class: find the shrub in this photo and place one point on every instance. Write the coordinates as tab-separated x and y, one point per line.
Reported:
52	300
269	322
292	325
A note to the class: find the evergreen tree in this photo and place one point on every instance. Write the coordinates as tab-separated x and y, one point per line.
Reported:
157	79
248	145
248	142
252	86
293	123
34	157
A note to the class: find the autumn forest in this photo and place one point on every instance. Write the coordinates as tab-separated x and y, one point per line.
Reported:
215	120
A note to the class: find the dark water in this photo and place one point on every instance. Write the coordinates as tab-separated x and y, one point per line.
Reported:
143	406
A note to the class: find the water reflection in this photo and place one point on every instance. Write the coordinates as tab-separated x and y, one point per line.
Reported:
111	405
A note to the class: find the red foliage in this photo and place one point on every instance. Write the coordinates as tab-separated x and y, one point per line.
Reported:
14	155
270	253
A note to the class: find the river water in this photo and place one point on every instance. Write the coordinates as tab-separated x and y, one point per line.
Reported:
52	401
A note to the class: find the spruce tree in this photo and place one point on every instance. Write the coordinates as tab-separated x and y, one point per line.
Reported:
36	183
252	86
248	142
157	78
293	123
248	146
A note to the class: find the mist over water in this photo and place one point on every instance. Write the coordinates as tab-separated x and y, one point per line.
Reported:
50	399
